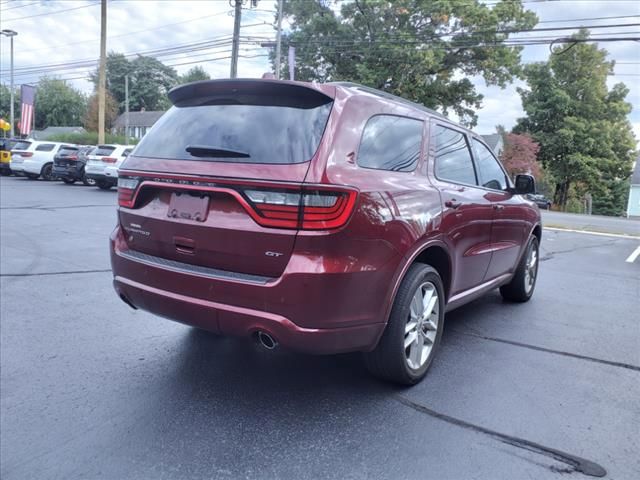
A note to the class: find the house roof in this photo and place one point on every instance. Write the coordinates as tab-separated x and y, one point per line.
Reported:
492	140
635	176
138	119
49	131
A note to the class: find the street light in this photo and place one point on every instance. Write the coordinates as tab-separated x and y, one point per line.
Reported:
11	34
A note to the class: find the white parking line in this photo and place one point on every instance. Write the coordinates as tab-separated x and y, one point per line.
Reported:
632	258
590	232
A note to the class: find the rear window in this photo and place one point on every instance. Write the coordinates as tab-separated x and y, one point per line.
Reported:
45	147
237	133
21	145
103	151
68	150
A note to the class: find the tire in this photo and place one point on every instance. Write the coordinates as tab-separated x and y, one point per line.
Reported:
47	172
523	283
391	360
69	181
102	185
89	182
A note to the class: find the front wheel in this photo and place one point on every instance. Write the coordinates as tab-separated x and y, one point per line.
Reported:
102	185
521	287
89	182
411	338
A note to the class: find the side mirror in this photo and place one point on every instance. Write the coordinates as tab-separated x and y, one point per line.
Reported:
525	184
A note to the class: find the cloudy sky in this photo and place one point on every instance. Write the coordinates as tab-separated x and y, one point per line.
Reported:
61	38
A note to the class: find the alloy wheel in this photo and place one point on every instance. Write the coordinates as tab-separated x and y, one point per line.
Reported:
422	325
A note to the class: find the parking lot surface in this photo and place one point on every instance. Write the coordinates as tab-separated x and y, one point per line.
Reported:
92	389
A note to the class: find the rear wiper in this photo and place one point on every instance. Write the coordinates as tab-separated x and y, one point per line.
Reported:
211	151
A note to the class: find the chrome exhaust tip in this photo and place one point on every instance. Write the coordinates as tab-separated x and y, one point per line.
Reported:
267	341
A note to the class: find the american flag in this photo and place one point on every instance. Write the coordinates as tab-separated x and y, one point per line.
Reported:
28	96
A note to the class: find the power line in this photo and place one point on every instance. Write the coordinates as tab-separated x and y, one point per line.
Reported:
19	6
52	13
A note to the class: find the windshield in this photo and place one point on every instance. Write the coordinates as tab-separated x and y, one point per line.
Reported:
263	133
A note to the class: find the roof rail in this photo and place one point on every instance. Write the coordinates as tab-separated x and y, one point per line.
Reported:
388	96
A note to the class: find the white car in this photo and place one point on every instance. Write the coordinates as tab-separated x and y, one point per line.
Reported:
106	157
34	158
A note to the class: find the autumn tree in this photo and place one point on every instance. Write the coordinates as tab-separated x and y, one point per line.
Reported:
520	155
421	50
586	140
90	120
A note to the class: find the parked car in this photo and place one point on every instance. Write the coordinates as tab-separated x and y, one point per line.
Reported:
324	217
102	157
540	200
111	171
69	164
33	158
5	156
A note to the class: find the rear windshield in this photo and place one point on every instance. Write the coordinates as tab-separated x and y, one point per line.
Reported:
21	146
237	133
103	150
68	150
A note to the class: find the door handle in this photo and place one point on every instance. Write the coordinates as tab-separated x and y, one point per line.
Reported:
498	207
453	203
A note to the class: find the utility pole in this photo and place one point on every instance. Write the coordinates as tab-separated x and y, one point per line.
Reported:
126	108
11	34
279	39
102	75
236	39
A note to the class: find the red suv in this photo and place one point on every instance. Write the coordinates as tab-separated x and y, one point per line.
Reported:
324	217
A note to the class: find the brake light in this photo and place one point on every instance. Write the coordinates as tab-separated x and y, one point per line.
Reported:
72	158
310	208
126	191
26	154
109	159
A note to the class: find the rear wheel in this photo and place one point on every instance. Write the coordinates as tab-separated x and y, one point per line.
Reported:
521	287
411	338
47	172
90	182
69	181
102	185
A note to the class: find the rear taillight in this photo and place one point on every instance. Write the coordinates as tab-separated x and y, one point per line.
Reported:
72	158
26	154
126	191
109	160
308	209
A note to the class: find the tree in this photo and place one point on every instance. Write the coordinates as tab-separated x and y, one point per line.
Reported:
90	120
585	138
520	154
193	75
420	50
58	104
149	81
5	104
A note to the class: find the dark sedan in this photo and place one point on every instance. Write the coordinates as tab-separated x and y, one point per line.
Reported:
69	164
540	200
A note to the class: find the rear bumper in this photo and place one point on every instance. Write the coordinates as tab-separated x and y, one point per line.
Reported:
72	171
305	309
16	167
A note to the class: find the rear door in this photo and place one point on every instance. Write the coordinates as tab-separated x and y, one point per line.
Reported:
508	225
467	213
44	152
220	175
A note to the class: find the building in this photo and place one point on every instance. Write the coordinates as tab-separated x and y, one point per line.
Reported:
633	206
50	131
139	123
495	142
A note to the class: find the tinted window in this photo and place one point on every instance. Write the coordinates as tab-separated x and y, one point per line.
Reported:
242	133
21	145
453	158
390	143
103	150
126	152
45	147
491	174
67	151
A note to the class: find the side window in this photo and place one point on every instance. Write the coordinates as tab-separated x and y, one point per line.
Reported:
491	174
391	143
45	147
453	161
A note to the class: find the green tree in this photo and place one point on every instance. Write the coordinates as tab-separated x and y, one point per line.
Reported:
58	104
193	75
585	138
419	49
5	104
149	81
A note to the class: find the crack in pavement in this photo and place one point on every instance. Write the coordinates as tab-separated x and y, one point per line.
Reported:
548	255
549	350
576	464
44	274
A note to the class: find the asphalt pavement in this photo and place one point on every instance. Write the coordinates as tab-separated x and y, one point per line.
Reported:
92	389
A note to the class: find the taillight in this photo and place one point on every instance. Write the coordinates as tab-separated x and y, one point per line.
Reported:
308	209
109	160
26	154
126	191
72	158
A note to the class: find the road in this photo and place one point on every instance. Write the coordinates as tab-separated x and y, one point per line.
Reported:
594	223
92	389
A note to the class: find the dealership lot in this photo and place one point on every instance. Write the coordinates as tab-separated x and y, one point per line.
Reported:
92	389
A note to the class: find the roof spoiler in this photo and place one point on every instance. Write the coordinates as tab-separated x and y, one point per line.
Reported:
247	92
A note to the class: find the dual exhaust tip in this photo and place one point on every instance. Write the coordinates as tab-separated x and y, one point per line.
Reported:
266	340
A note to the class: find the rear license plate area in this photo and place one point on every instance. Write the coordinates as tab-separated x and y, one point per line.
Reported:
188	206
